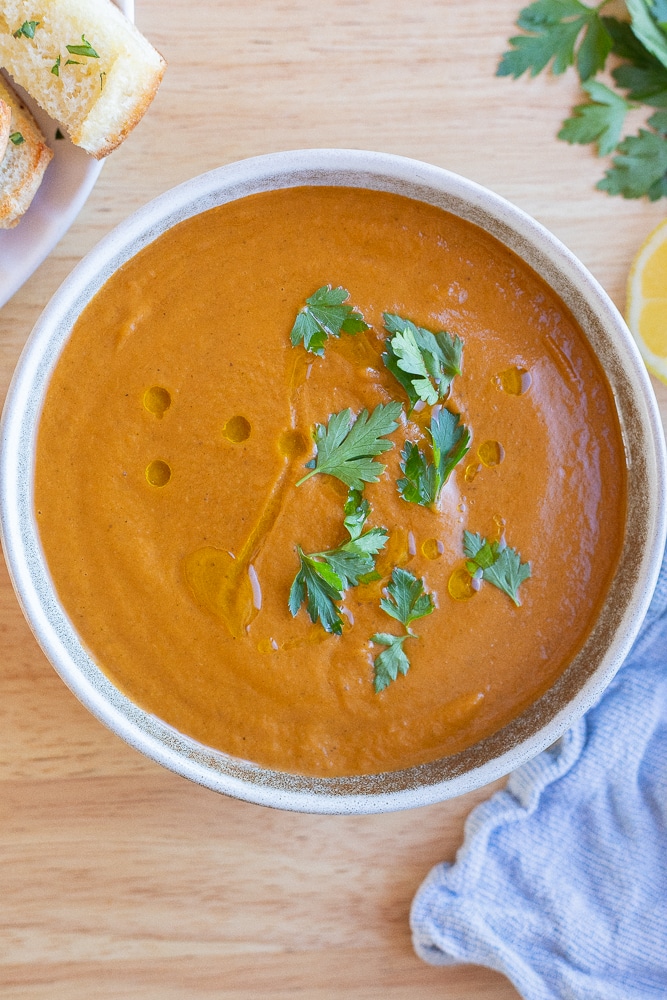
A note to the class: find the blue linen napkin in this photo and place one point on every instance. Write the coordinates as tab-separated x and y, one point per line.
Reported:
561	882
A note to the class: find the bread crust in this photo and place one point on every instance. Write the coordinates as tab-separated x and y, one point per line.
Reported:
23	165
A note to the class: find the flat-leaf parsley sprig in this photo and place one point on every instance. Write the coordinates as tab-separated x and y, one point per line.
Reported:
561	32
423	480
325	315
346	447
424	363
324	576
640	167
601	120
496	563
356	511
567	33
406	601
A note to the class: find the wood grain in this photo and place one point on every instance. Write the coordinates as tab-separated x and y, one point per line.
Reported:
119	879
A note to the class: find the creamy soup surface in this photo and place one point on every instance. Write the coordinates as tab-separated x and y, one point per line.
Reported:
180	418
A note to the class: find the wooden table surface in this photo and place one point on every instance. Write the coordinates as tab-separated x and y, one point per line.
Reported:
119	879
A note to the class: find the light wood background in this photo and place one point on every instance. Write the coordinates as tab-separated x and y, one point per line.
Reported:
119	879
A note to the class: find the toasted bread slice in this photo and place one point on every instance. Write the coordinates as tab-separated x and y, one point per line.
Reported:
26	158
84	63
5	123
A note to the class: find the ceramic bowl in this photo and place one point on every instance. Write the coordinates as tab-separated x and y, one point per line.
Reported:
619	620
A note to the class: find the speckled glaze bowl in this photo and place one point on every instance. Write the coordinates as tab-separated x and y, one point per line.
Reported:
619	620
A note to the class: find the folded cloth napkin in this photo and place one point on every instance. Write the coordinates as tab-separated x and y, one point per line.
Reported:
561	882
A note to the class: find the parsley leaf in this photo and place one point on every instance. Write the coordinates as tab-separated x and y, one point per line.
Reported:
641	74
600	121
625	44
356	511
345	448
325	315
508	573
424	363
321	587
17	138
481	553
356	558
406	601
55	69
645	82
640	168
496	563
423	480
323	576
451	441
554	27
417	484
27	29
82	50
391	661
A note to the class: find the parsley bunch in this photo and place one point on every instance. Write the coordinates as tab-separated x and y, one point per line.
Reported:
566	33
424	364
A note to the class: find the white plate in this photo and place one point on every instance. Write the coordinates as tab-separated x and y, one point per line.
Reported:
68	181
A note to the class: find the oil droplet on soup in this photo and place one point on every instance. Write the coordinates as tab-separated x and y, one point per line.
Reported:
267	646
158	473
237	429
514	381
461	585
491	453
293	444
432	548
157	400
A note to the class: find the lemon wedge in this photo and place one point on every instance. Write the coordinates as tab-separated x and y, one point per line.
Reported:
646	310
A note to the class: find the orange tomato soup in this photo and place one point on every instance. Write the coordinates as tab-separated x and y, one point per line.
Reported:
179	420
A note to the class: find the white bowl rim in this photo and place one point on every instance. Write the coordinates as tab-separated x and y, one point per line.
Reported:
27	567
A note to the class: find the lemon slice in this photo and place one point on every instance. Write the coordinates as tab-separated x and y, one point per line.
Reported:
646	310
